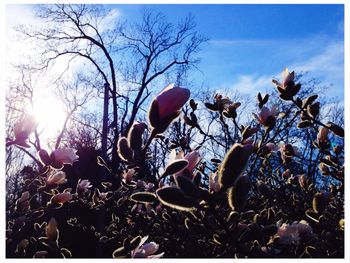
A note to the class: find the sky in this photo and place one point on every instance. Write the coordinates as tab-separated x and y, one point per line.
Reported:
250	44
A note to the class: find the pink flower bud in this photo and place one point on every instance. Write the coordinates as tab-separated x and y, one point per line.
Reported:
171	100
287	77
146	250
51	230
322	136
166	107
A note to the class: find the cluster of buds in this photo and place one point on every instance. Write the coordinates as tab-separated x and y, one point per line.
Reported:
287	88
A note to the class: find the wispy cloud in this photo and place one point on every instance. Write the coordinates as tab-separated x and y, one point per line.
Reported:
321	57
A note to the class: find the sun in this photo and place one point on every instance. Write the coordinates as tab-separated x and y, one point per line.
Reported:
50	114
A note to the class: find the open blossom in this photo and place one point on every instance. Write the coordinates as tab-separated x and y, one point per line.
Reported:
146	250
293	233
65	156
142	184
83	185
23	129
287	79
193	158
56	179
287	88
166	107
61	198
129	175
267	116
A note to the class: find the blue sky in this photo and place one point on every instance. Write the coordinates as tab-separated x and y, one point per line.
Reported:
250	44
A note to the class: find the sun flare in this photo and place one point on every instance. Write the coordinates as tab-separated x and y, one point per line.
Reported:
50	114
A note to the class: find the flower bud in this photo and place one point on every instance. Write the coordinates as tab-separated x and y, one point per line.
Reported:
166	107
61	198
238	194
51	230
234	164
44	157
124	151
135	135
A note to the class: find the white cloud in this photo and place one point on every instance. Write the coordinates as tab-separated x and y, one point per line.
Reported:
110	20
327	66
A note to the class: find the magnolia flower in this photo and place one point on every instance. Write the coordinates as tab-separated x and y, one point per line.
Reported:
193	158
287	88
56	179
214	185
146	250
293	233
83	185
166	107
61	198
143	184
65	156
23	129
287	78
128	175
103	195
266	116
51	230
